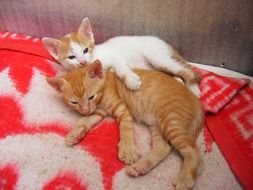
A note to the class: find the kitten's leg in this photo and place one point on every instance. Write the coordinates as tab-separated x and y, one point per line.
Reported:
124	72
127	150
83	125
170	61
189	170
160	150
186	145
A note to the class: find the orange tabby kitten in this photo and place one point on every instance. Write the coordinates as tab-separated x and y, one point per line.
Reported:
171	111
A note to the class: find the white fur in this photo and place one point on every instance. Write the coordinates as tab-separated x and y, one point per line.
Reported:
77	50
127	52
138	52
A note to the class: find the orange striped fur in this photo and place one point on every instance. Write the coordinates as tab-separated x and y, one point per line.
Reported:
171	111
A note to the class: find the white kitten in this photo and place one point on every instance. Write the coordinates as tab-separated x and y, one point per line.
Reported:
120	53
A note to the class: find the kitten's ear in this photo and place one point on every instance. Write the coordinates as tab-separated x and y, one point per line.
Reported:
57	83
95	70
85	28
52	46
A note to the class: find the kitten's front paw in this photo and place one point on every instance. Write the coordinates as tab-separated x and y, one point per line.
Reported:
71	140
128	153
75	135
133	81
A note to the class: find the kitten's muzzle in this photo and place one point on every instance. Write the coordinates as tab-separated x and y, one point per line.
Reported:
83	63
85	111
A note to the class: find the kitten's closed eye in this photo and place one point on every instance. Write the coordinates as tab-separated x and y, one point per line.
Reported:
91	97
71	57
74	102
85	50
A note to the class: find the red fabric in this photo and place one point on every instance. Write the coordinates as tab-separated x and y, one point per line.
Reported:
65	181
229	118
21	54
8	177
208	139
217	91
23	44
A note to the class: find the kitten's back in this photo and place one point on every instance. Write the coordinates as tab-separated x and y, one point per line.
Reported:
161	95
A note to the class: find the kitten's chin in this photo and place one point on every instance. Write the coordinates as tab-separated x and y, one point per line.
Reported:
76	66
71	66
67	66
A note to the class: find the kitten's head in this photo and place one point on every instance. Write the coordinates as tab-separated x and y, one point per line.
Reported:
82	88
73	50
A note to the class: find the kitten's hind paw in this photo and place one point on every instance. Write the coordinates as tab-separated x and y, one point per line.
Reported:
189	76
184	183
133	81
141	167
128	153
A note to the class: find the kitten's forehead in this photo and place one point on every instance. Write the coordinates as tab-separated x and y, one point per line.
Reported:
76	80
68	41
75	43
80	40
72	37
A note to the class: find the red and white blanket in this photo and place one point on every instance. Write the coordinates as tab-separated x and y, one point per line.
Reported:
34	122
228	103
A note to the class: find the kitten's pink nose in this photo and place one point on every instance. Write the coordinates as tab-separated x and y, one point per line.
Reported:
83	63
86	110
